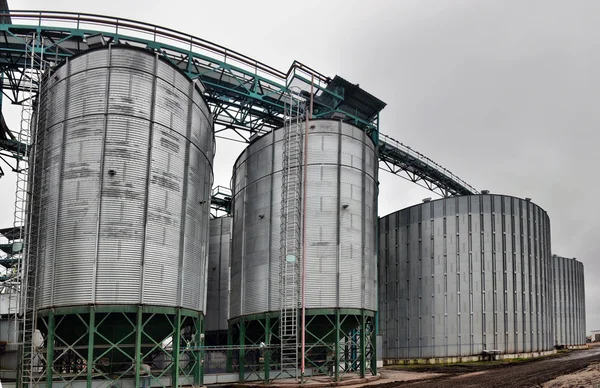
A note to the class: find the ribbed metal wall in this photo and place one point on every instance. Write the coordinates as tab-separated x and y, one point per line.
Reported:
569	298
123	172
340	208
219	257
461	275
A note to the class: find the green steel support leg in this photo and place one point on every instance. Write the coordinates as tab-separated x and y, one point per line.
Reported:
229	352
90	354
199	365
374	350
50	348
138	346
201	352
175	346
242	351
267	352
336	363
363	345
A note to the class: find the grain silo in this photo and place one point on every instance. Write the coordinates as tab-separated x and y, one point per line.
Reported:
569	299
336	221
465	276
123	172
217	303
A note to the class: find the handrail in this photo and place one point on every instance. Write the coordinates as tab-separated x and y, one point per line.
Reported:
81	20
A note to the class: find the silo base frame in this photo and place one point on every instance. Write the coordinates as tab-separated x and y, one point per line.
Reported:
331	334
117	341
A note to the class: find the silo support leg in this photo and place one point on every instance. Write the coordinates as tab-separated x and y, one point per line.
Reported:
338	328
175	349
363	345
266	355
242	352
50	349
373	340
90	354
199	373
138	345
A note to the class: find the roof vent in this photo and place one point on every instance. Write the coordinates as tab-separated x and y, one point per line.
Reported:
528	199
427	199
484	192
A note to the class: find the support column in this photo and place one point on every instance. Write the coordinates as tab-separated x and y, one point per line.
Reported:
336	365
242	351
363	350
138	345
50	349
200	321
90	354
175	348
267	352
374	347
197	351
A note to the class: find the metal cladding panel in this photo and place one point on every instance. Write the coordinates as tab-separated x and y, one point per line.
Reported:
122	181
461	275
340	209
219	257
569	301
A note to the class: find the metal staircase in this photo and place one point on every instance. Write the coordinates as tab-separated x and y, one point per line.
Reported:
23	243
291	212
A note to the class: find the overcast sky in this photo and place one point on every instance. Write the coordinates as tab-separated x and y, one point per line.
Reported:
505	93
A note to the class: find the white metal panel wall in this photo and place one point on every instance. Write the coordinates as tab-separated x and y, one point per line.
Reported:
219	257
123	172
569	298
461	275
341	195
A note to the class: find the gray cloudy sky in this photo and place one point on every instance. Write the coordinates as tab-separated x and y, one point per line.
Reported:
503	93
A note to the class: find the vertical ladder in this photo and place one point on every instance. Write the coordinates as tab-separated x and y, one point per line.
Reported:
291	208
29	361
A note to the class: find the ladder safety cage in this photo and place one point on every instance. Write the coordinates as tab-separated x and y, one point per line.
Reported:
291	234
31	360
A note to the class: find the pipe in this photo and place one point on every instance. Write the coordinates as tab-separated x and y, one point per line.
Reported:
303	330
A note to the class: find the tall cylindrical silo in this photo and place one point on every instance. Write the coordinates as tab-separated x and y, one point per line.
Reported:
123	171
569	299
339	197
463	275
217	303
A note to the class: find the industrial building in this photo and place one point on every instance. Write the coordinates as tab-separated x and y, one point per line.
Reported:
465	276
124	265
569	301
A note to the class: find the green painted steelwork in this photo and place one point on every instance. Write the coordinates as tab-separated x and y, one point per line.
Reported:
327	331
110	343
244	93
246	96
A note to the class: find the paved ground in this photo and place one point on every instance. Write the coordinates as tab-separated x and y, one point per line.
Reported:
574	369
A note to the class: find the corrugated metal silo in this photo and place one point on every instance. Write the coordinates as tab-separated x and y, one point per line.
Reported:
123	172
569	298
463	275
217	303
340	210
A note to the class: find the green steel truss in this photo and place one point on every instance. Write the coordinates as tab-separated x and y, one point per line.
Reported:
342	337
117	341
245	95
